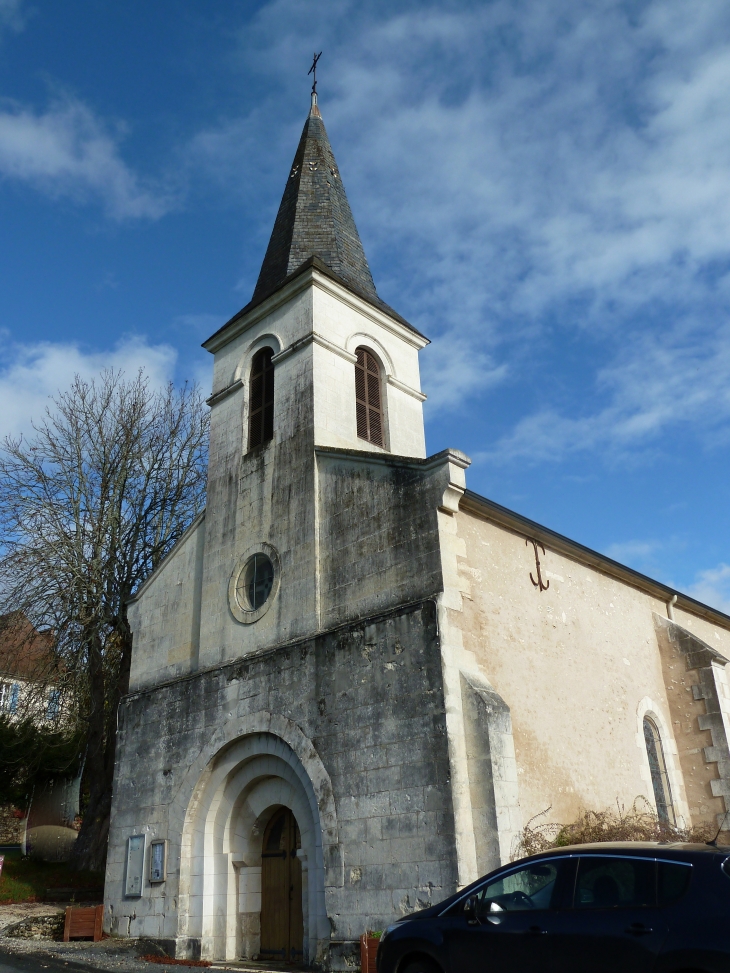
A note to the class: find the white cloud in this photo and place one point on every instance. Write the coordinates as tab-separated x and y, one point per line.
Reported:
712	587
203	325
11	15
632	552
32	373
452	370
676	380
517	166
66	151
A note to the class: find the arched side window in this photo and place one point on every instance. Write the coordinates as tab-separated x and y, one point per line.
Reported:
261	399
659	775
368	398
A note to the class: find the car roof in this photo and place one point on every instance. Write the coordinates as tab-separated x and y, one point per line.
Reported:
659	848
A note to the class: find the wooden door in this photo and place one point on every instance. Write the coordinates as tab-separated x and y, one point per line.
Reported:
282	927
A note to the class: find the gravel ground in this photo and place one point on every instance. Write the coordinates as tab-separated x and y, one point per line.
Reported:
10	914
118	955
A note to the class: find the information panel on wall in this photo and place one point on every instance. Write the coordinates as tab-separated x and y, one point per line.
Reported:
135	864
158	861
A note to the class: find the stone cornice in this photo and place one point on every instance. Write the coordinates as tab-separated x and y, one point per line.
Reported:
333	287
163	563
217	397
270	651
402	387
316	339
453	456
312	271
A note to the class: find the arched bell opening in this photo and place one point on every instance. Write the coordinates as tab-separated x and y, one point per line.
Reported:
252	786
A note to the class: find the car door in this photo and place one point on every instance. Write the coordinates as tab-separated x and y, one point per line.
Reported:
614	923
506	924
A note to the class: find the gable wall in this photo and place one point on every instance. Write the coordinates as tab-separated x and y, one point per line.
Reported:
166	621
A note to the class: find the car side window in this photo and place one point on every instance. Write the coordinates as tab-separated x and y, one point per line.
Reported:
673	881
527	888
614	883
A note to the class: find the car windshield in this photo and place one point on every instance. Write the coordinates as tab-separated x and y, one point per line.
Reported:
528	888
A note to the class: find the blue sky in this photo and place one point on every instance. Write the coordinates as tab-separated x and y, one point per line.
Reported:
542	188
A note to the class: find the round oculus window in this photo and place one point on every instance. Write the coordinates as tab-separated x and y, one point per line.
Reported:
254	583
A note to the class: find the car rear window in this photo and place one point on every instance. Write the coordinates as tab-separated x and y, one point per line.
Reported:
673	880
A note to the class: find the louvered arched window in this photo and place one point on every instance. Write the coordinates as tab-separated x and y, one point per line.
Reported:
368	398
261	399
659	775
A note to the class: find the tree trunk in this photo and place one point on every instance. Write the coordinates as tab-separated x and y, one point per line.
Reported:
90	848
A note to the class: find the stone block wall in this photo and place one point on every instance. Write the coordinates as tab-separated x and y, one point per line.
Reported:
379	542
700	704
369	697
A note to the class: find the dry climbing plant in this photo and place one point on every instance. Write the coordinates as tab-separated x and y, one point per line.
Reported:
638	823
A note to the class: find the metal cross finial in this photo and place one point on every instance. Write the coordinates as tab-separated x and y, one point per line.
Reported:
313	71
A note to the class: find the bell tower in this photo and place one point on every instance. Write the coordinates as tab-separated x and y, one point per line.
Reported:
315	297
316	364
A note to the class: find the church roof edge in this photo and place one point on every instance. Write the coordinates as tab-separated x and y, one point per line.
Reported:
163	563
586	555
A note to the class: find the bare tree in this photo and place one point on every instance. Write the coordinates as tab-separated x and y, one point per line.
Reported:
90	504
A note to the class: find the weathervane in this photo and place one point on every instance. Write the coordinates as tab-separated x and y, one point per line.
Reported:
313	71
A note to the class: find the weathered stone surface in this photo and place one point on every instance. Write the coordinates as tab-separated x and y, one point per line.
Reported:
368	697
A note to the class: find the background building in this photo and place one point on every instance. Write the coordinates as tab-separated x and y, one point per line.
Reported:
39	808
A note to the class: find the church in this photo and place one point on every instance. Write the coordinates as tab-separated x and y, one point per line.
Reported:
353	679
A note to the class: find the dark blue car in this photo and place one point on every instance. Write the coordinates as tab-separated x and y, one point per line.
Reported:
620	907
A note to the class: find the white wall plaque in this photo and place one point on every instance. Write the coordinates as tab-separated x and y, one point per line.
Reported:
135	865
158	861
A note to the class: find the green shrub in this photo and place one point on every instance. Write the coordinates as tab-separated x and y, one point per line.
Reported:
23	880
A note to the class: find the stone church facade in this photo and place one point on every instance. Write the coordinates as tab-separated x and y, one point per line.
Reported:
354	680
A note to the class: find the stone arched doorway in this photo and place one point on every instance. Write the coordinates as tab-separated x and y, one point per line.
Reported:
251	784
282	920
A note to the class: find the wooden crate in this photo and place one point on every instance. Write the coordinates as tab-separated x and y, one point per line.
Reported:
83	923
368	952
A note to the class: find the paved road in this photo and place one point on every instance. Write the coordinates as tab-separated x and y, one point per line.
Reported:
39	963
23	963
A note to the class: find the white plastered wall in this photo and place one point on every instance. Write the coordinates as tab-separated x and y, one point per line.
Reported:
573	662
345	323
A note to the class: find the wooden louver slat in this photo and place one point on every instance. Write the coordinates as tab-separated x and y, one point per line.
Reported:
261	399
368	398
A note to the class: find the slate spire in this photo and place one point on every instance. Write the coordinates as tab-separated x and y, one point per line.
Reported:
315	220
